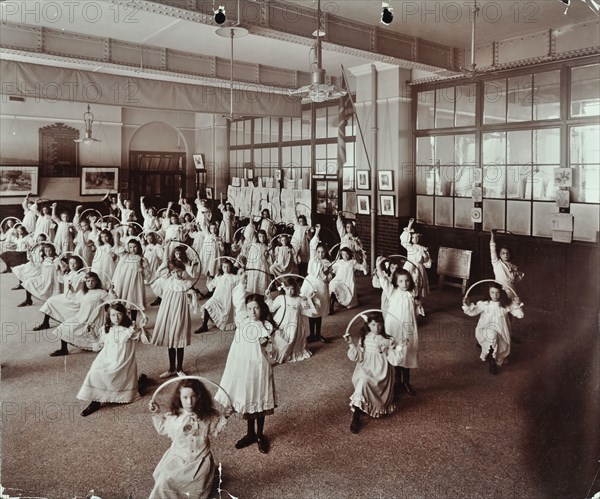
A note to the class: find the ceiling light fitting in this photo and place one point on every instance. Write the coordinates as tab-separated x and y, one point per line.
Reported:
220	16
88	119
318	90
387	15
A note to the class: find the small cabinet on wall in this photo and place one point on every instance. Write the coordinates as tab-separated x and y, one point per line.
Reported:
59	155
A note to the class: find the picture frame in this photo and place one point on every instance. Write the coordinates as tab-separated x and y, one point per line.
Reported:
362	180
198	161
385	180
387	205
96	180
209	193
19	180
563	177
363	203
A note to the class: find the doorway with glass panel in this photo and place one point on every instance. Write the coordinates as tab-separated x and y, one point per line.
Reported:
157	176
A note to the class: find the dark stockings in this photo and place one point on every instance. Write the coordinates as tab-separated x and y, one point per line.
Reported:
175	353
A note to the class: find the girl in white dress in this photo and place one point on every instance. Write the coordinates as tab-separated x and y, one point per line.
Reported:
44	223
179	254
373	377
401	320
63	239
284	258
46	283
30	213
266	224
65	305
130	277
349	240
493	329
185	206
419	261
173	327
127	211
343	284
289	341
18	256
105	257
226	229
113	377
187	469
173	231
248	375
254	258
300	242
389	267
84	240
154	253
8	236
204	214
505	272
151	221
212	248
219	307
85	329
318	280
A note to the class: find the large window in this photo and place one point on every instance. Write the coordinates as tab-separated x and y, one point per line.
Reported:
281	152
528	126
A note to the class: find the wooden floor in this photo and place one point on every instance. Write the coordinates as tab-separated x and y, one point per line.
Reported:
529	432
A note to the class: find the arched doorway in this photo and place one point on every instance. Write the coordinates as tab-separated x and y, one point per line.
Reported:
157	163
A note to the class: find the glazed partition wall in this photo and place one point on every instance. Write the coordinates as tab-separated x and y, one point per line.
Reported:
508	134
310	152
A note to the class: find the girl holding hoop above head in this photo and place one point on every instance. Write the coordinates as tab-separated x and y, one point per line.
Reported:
373	377
289	313
64	231
505	272
30	213
127	211
318	277
113	377
173	327
187	468
105	258
185	206
212	250
226	229
84	244
389	267
301	241
248	375
348	239
150	215
402	323
418	261
44	223
493	329
154	253
266	224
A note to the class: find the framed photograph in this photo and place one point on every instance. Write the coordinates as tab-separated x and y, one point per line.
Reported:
198	161
248	173
209	193
563	198
363	204
18	180
362	179
387	205
386	180
96	180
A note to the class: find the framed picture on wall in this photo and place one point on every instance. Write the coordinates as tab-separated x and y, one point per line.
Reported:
96	180
209	193
386	180
18	180
363	204
198	161
387	205
362	179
